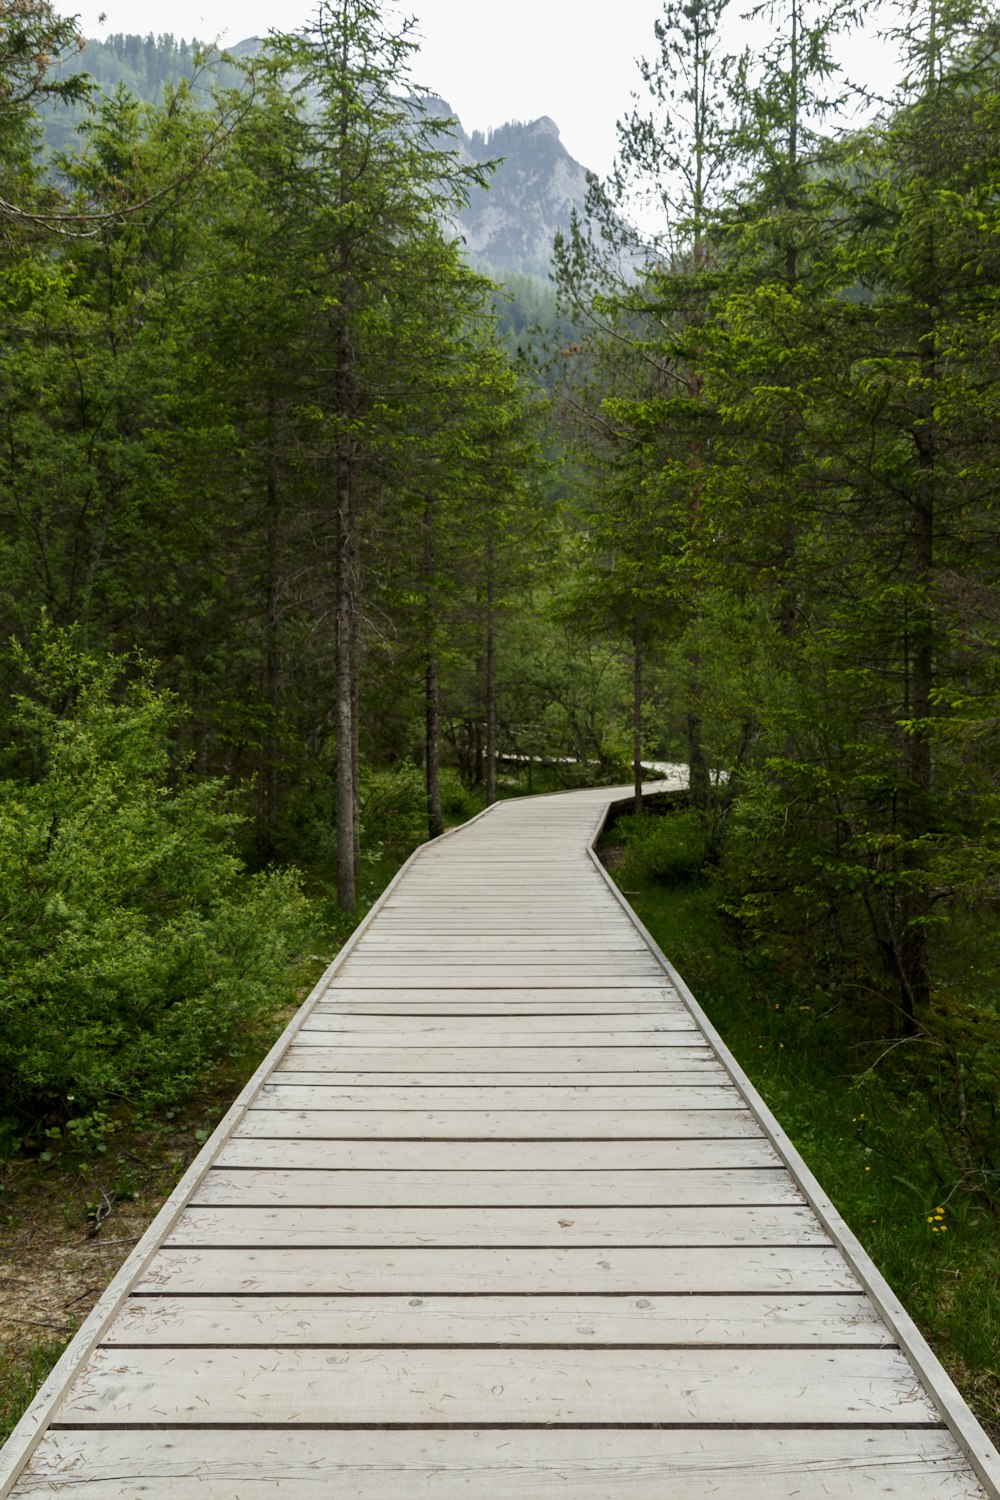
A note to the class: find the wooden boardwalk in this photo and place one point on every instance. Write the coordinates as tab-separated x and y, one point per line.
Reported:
499	1219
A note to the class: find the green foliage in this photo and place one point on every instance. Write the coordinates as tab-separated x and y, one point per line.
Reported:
457	802
135	951
393	808
791	453
662	848
903	1136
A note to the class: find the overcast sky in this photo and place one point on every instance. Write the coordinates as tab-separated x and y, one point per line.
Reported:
516	59
574	60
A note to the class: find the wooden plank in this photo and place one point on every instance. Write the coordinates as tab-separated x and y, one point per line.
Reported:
715	1096
634	1000
473	1124
466	970
486	982
618	1187
475	943
845	1318
501	996
494	1034
485	898
693	1464
418	1269
498	1156
310	1057
510	926
562	1387
330	1227
450	1031
472	1003
302	1071
592	911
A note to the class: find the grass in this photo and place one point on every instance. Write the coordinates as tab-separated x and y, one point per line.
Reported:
867	1116
20	1380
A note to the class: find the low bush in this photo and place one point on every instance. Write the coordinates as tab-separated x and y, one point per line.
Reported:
666	849
393	810
135	949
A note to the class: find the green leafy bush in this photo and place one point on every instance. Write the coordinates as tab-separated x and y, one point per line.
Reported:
457	802
667	849
393	808
134	948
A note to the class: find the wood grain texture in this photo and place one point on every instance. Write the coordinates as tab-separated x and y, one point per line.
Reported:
564	1387
414	1270
506	1156
474	1003
477	1124
298	1075
311	1056
620	938
505	999
545	1320
857	1464
463	971
496	1035
611	1187
463	1030
504	1098
736	1225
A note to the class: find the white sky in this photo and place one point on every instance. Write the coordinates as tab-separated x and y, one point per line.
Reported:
517	59
574	60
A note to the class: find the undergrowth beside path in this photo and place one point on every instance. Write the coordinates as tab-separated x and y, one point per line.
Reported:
70	1214
869	1125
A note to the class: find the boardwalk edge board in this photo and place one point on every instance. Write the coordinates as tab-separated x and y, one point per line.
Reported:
938	1384
25	1437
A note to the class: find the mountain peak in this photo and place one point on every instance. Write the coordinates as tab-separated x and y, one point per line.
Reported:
544	125
532	196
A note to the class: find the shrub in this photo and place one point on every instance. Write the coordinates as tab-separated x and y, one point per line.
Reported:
667	849
457	802
134	947
393	809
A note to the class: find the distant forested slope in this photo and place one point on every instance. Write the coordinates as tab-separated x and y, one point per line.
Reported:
143	65
508	229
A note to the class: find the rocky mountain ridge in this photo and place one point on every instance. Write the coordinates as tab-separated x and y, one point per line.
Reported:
509	227
507	230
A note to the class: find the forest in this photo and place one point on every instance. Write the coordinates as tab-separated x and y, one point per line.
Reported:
311	542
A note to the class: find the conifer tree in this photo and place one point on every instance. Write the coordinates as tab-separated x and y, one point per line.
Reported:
381	176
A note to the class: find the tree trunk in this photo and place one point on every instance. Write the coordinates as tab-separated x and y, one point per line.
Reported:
699	777
344	688
637	772
268	789
346	540
491	678
914	947
432	747
356	715
432	737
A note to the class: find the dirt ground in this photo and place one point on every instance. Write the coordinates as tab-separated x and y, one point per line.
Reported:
65	1228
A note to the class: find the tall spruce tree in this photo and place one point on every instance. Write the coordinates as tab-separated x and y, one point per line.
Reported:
381	176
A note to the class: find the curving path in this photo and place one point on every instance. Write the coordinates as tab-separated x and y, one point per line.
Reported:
499	1219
